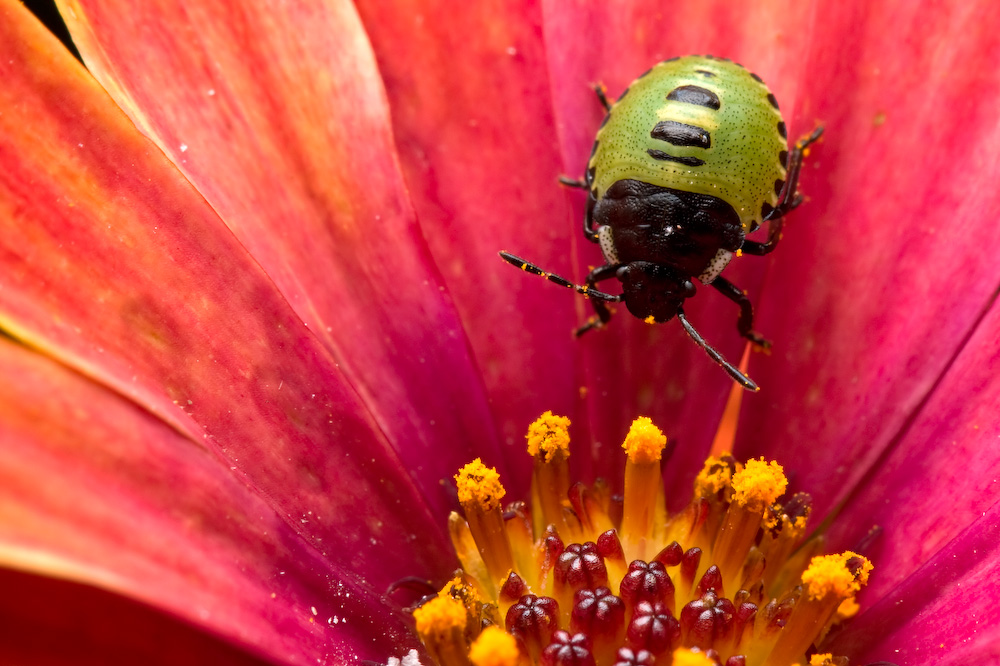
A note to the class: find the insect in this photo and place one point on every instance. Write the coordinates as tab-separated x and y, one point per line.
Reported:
689	160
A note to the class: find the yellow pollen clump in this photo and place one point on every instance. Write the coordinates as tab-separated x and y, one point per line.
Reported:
691	657
714	476
831	574
440	616
494	647
548	435
458	589
759	483
848	608
650	319
821	659
479	485
644	442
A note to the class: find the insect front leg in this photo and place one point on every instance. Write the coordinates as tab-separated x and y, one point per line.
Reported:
601	310
745	323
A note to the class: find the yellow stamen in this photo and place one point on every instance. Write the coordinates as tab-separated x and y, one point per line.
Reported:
548	444
823	659
441	626
757	485
781	536
827	582
644	505
465	547
644	442
479	485
479	493
714	476
494	647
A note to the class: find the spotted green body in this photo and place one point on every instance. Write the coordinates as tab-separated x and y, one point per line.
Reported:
744	161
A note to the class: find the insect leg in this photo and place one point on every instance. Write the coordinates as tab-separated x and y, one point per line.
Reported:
789	197
745	323
573	182
603	314
586	290
732	370
602	96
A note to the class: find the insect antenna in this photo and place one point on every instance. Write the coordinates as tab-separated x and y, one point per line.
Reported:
559	280
733	371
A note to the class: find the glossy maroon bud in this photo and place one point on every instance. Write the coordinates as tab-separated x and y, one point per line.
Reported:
629	657
568	650
711	581
533	620
653	628
671	555
610	547
513	588
707	620
580	566
647	581
597	612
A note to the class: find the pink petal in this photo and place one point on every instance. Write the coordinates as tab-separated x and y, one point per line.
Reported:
478	142
275	112
886	276
942	614
934	495
114	265
93	490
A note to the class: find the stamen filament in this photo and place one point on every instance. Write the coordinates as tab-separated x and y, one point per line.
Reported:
548	444
479	493
755	487
644	504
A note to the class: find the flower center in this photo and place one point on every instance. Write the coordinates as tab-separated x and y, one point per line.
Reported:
581	577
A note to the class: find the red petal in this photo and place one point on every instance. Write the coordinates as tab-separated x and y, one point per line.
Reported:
275	112
93	490
113	264
44	626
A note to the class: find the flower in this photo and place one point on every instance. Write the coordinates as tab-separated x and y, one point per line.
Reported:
253	312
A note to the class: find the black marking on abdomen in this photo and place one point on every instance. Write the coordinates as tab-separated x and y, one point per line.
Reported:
687	161
705	72
680	134
782	130
772	100
695	95
778	185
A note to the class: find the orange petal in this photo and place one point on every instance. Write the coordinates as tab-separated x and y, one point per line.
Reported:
276	113
111	263
93	490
